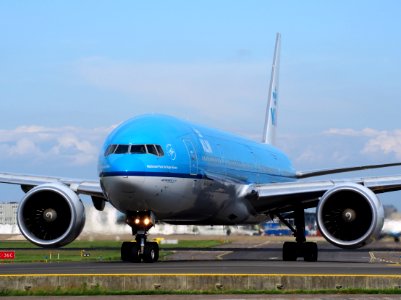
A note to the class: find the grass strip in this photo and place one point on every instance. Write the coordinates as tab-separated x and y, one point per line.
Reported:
87	250
112	244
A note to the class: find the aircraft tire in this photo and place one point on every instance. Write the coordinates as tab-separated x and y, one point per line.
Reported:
156	246
290	251
125	247
310	251
151	252
130	252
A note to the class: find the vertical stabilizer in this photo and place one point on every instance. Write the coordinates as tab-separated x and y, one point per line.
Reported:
269	131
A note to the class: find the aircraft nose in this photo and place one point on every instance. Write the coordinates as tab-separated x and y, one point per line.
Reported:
121	165
125	192
123	181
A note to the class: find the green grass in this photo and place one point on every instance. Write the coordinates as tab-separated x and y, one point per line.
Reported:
75	244
97	250
114	244
193	244
64	255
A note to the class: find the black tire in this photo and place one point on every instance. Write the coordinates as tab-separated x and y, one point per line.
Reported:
156	246
310	251
125	250
151	252
290	251
129	252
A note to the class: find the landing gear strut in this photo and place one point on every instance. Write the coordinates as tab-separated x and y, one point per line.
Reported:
141	249
299	248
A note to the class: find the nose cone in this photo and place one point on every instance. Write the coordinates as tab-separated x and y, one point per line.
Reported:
121	181
120	164
125	192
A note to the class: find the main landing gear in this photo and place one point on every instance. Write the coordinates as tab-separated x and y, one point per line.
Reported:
141	249
299	248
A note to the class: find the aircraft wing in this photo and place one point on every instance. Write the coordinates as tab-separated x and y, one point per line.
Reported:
314	173
27	182
282	197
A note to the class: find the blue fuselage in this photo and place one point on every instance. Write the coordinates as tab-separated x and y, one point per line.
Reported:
154	157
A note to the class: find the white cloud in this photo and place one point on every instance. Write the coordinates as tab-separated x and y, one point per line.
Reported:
344	147
24	146
66	145
366	132
385	142
73	146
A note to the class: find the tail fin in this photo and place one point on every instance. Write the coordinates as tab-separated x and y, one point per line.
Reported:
269	131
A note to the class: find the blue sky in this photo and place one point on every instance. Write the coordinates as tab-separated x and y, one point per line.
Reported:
71	70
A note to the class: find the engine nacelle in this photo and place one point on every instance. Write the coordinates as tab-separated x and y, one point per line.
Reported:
51	215
350	215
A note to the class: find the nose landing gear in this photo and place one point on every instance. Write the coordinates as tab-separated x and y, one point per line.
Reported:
141	249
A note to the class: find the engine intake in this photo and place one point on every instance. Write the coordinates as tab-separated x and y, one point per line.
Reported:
51	215
350	215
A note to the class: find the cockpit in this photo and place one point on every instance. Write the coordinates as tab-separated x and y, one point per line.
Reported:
134	149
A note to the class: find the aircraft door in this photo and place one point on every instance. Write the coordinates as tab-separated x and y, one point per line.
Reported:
193	164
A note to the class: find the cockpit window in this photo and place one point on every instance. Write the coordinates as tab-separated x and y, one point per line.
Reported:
152	149
110	149
138	149
134	149
121	149
159	150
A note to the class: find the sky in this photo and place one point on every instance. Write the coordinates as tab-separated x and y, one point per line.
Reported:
70	71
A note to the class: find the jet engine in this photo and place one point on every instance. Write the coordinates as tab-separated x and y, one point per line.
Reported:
350	215
51	215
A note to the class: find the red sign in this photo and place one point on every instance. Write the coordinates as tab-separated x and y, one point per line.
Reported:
7	254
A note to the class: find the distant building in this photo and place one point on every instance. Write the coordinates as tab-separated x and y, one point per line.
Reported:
8	213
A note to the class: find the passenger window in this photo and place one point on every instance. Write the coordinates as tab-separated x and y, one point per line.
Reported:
138	149
122	149
152	149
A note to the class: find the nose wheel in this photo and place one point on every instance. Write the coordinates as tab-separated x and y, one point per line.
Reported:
141	249
131	252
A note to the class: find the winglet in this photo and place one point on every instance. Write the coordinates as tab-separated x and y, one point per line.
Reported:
269	131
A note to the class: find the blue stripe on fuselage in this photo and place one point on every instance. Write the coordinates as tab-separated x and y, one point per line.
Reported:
151	174
272	178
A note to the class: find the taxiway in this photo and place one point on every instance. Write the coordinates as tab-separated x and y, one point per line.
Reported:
238	257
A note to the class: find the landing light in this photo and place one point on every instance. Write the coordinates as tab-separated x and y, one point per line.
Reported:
140	220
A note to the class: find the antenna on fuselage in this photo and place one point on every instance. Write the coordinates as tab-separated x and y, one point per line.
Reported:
269	131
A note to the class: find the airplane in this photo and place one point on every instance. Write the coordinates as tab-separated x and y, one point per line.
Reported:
157	168
391	228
